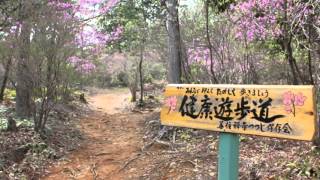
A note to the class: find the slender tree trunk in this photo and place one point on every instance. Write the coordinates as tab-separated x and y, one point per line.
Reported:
286	46
246	64
214	78
134	95
310	66
48	94
142	49
185	64
254	75
140	71
311	35
174	40
289	56
133	91
133	86
296	66
5	78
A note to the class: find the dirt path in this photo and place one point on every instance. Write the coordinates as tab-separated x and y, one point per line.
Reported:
111	101
113	137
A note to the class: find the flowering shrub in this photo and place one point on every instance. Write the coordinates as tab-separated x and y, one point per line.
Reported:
87	35
82	65
257	19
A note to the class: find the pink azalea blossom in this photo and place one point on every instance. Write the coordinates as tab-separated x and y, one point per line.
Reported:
91	8
291	101
256	19
288	109
260	19
81	65
90	36
288	98
171	102
74	60
201	56
299	99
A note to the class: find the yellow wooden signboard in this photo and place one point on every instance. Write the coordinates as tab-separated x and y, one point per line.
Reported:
266	110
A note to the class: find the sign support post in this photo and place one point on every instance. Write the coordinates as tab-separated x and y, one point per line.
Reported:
228	156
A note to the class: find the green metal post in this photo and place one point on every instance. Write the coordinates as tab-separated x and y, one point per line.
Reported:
228	156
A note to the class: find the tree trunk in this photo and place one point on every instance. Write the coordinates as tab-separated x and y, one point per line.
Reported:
5	78
133	91
289	56
312	34
174	40
287	48
310	66
140	71
133	86
12	125
24	75
213	75
254	77
185	65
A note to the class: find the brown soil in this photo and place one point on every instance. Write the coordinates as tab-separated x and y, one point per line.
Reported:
110	101
113	137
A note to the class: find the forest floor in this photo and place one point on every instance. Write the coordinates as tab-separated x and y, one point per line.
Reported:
115	145
121	142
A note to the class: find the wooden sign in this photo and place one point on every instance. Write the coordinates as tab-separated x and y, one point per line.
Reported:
265	110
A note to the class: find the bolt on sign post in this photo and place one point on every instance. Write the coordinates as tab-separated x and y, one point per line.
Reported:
279	111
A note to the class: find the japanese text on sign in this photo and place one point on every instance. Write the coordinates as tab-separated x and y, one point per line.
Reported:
275	111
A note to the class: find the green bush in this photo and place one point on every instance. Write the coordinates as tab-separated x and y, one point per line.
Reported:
3	119
123	78
24	122
3	123
157	71
148	78
10	94
120	79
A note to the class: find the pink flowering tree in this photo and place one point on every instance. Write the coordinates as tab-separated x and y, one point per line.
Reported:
199	64
81	65
49	39
88	36
286	22
89	39
257	20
